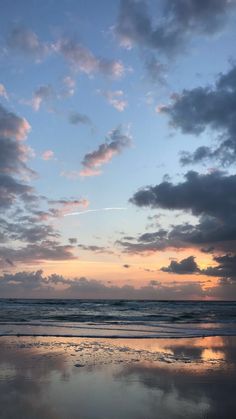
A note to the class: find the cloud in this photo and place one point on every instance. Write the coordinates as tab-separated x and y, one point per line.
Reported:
43	93
76	118
26	229
34	284
13	126
69	85
65	206
95	249
156	70
46	92
185	266
11	190
24	236
147	243
225	268
38	252
72	240
3	91
210	194
29	284
115	144
210	197
115	99
174	23
48	155
26	42
13	157
70	174
83	60
194	111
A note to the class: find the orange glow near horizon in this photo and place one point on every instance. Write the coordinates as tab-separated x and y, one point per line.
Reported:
110	270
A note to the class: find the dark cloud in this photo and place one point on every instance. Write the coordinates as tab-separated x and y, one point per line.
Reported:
208	194
226	267
27	230
13	156
21	222
196	110
174	23
37	252
156	71
95	249
210	197
35	284
11	190
185	266
73	240
126	266
115	143
76	118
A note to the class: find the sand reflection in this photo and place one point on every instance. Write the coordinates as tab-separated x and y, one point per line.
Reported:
63	378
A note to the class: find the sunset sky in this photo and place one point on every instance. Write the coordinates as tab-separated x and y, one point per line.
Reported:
118	149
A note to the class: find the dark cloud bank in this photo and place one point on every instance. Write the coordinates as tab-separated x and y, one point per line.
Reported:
25	237
36	285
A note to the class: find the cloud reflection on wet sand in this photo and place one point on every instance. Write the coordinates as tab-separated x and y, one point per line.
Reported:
80	378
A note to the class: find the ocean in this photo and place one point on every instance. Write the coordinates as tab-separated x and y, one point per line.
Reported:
116	319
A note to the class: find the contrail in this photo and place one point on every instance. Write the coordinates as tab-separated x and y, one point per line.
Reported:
96	210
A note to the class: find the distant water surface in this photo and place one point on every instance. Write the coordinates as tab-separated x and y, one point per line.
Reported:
119	318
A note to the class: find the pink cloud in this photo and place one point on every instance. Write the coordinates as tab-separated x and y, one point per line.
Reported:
82	59
47	155
116	142
66	206
115	99
3	92
13	126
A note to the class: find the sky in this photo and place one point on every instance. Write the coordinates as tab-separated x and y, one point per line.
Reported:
118	149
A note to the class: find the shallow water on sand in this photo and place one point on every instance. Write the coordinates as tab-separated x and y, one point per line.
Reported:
63	378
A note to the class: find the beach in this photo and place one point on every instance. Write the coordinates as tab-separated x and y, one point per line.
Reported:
103	359
90	378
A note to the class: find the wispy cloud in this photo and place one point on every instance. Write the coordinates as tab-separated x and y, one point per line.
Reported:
3	91
115	98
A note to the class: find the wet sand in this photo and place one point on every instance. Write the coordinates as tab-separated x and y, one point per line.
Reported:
87	378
